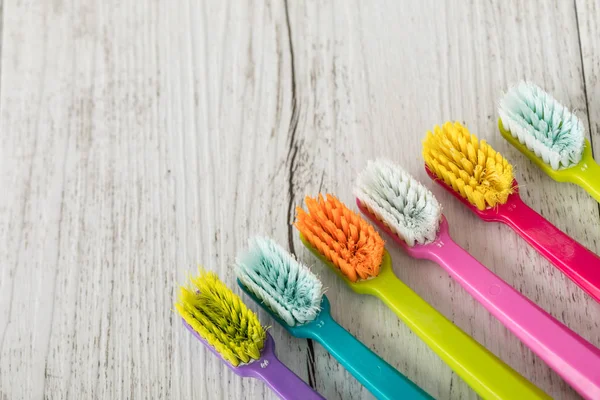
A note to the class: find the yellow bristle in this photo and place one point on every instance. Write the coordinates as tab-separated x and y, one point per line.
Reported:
221	318
471	167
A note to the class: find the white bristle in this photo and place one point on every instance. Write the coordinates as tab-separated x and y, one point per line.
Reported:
409	209
543	125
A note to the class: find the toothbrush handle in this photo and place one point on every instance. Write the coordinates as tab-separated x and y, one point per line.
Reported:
589	179
563	350
482	370
379	377
286	384
578	263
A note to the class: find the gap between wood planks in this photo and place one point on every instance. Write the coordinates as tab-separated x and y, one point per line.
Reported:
291	159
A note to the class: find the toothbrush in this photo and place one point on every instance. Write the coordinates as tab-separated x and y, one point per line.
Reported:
355	251
219	319
411	215
293	295
550	135
483	180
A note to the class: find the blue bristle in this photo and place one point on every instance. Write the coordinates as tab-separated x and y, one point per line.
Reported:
286	286
542	124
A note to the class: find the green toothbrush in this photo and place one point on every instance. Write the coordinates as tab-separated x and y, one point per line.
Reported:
352	248
550	135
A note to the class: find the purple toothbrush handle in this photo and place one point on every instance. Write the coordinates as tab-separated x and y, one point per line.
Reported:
278	377
270	370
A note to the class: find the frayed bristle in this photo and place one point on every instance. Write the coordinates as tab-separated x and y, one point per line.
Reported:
543	125
341	236
286	286
409	209
470	166
221	318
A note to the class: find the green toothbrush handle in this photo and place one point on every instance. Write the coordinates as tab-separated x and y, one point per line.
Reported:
588	177
585	174
480	369
483	371
379	377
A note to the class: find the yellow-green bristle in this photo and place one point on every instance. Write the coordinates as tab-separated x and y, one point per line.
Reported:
221	318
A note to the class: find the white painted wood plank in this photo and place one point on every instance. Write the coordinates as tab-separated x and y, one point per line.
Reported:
131	142
143	138
588	14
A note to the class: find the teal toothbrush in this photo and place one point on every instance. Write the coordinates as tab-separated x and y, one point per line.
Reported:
294	297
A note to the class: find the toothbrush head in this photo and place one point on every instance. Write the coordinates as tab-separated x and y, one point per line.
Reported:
544	127
470	167
341	237
220	318
288	288
406	207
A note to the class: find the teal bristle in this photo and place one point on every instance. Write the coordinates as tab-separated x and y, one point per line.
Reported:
542	124
289	289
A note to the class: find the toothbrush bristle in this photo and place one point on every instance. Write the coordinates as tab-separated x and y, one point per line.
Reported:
341	236
221	318
543	125
470	166
392	195
286	286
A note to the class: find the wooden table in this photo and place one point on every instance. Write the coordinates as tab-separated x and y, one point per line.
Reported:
141	138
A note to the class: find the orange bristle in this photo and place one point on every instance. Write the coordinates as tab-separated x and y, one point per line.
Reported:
341	236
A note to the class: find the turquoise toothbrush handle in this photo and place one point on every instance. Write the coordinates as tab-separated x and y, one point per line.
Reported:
370	370
379	377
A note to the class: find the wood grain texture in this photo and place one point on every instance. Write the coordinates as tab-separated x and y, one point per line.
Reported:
140	139
588	15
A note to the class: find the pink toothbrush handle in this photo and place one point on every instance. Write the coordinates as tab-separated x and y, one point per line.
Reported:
574	359
578	263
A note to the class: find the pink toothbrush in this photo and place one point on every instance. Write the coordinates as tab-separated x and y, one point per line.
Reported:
578	263
482	180
411	215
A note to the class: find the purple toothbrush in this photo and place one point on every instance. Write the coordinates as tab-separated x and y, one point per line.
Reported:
222	322
269	369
